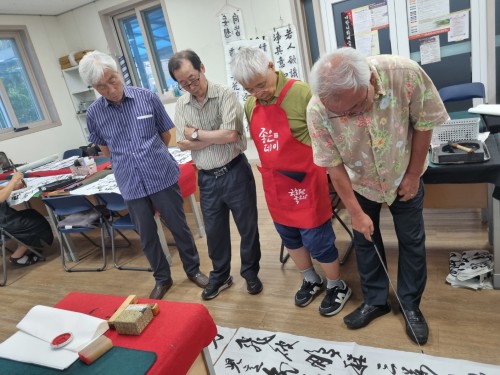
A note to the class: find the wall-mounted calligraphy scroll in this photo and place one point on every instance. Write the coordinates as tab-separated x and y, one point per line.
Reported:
286	51
231	25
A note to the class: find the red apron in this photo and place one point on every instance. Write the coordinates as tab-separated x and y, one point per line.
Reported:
296	189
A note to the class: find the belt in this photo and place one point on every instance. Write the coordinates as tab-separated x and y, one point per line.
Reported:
221	171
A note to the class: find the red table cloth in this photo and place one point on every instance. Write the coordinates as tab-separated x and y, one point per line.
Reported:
177	334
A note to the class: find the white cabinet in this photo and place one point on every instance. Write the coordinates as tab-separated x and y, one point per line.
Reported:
81	96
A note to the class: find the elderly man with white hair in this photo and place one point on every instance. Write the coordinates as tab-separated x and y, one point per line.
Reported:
371	122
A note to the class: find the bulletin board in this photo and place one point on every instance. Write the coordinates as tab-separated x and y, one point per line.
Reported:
340	12
455	56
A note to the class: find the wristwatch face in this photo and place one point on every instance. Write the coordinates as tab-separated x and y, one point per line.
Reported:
194	135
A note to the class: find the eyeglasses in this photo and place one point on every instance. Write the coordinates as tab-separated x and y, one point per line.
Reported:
359	105
195	82
257	89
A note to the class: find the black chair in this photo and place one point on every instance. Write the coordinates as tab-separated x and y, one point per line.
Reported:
117	222
73	152
4	237
65	210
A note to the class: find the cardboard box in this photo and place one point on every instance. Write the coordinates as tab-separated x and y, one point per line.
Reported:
72	59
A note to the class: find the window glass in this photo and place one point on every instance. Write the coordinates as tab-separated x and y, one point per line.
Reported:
25	100
17	86
145	41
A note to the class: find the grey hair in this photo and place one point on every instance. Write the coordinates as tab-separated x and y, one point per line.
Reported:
342	70
93	65
249	63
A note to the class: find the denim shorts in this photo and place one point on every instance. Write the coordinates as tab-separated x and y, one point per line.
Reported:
319	241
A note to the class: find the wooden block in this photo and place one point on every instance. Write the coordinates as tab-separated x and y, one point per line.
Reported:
95	349
132	299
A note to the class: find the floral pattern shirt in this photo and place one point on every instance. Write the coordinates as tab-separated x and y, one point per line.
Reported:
375	147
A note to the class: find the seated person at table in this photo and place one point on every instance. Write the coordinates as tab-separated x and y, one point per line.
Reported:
28	226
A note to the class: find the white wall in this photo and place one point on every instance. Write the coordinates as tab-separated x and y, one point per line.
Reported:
194	25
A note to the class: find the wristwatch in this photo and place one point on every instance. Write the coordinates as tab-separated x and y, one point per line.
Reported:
194	134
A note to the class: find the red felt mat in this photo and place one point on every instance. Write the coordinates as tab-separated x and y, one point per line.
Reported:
177	334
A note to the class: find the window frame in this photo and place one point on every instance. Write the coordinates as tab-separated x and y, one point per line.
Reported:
38	83
115	40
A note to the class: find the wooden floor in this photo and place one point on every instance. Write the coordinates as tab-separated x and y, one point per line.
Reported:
463	323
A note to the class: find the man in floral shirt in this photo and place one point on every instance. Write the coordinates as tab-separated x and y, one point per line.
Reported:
371	122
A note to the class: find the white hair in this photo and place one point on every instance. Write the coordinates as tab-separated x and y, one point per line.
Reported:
93	65
249	63
342	70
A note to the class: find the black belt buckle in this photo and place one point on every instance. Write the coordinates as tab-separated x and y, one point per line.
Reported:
221	172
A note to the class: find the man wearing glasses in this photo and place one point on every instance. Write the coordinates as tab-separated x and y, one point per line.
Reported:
296	190
131	126
371	122
209	122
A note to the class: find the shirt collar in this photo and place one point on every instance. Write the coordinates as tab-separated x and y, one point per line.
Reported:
127	93
378	86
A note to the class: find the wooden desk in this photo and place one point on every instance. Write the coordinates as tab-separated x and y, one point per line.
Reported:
178	334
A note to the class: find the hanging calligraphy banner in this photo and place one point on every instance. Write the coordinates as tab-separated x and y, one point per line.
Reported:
286	51
231	26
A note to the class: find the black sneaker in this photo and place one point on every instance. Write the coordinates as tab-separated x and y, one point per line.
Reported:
213	289
307	291
334	300
254	286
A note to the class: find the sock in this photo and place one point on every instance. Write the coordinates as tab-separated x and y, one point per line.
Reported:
21	260
310	275
333	283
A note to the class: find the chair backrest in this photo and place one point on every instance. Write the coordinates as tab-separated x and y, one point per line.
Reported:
69	204
73	152
463	91
113	201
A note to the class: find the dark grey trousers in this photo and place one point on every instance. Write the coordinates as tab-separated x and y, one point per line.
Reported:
232	193
169	203
412	269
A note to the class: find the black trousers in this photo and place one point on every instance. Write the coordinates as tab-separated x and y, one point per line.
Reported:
412	269
232	193
169	203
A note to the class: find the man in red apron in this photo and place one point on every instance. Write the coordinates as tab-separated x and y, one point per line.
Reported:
296	189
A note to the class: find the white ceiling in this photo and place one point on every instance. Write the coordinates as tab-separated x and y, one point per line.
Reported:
40	7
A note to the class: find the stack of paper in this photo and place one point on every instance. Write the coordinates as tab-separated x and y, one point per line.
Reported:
31	344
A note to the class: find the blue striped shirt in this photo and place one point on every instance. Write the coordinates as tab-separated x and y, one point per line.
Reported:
141	162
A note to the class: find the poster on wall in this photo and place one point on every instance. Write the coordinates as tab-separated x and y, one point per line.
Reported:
360	27
459	26
428	17
285	51
231	25
430	50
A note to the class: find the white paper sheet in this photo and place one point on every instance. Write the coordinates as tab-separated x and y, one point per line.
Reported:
40	326
486	109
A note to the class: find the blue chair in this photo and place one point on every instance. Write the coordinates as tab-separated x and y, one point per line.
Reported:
76	214
73	152
464	92
4	237
117	222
